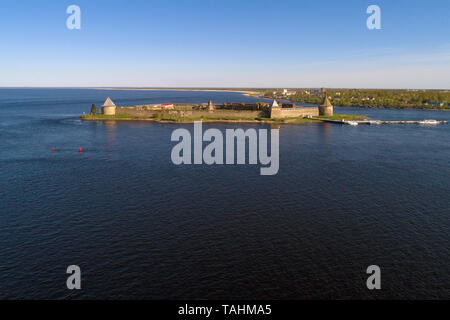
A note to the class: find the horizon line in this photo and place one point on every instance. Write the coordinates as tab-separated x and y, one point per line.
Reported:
212	88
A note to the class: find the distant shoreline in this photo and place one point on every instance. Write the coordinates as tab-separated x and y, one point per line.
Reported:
244	92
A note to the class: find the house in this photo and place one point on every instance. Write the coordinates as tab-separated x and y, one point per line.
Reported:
167	106
435	104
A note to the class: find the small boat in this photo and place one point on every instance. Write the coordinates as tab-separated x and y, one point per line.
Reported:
429	122
352	123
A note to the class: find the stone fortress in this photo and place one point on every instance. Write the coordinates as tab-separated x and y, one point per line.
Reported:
109	108
227	110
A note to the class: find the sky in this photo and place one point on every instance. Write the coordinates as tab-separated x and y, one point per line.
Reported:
215	43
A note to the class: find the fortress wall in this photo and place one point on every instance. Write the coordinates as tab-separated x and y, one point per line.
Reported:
136	112
142	112
297	112
277	113
227	113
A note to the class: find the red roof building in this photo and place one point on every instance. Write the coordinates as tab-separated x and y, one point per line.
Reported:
167	105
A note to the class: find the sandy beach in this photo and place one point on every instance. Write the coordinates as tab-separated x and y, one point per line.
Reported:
244	92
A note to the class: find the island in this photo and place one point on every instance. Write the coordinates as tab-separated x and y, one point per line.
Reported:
261	112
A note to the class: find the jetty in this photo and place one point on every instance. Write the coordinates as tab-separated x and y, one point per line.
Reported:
379	122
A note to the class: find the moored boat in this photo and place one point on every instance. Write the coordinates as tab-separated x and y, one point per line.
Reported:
429	121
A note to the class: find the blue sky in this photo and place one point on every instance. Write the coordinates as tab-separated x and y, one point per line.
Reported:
229	43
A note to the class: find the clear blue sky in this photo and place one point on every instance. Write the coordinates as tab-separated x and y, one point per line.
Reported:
215	43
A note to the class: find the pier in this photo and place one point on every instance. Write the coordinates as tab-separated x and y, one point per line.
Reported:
379	122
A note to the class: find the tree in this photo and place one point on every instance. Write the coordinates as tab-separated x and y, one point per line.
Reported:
93	109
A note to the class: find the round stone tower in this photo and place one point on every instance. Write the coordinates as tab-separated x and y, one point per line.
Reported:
210	106
109	108
326	108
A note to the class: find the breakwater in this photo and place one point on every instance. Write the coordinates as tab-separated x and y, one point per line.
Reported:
379	122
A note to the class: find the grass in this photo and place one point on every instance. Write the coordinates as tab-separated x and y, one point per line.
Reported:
286	120
178	119
205	119
102	116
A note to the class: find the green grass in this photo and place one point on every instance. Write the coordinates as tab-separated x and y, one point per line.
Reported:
286	120
178	119
205	119
102	116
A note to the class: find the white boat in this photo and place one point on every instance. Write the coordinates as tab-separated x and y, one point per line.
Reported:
352	123
429	122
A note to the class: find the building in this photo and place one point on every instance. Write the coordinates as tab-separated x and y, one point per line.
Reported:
167	106
109	108
326	108
210	106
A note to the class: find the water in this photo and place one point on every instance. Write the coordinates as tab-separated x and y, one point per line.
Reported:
140	227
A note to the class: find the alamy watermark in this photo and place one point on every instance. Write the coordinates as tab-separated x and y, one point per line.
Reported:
374	281
374	20
213	153
74	280
74	20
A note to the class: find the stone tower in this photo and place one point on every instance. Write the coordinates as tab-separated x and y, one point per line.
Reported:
326	108
109	108
210	106
275	110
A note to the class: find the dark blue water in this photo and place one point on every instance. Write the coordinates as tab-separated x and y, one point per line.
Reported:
140	227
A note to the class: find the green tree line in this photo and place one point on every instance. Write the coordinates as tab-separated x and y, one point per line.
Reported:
376	98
